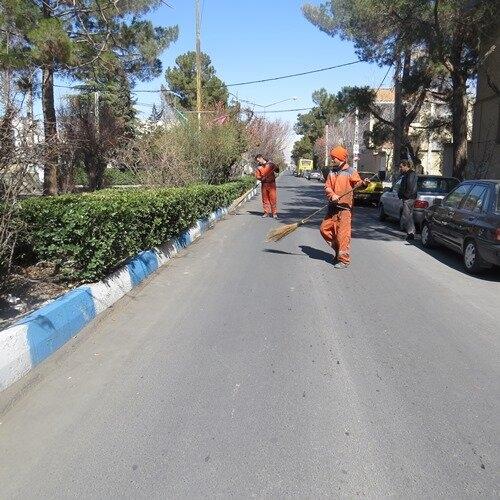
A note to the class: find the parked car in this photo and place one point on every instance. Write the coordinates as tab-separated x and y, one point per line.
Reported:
429	189
467	221
313	174
372	192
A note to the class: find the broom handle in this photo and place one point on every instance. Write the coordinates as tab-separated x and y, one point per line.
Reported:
303	221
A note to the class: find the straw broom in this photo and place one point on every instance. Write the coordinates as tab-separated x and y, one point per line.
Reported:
283	231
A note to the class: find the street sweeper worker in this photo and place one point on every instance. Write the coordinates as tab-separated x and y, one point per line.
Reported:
336	227
266	174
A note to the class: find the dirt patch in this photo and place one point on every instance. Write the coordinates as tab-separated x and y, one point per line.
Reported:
28	288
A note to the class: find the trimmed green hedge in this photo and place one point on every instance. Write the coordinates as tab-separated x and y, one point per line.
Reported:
88	235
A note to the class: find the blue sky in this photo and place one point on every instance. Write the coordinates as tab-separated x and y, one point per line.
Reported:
255	39
250	40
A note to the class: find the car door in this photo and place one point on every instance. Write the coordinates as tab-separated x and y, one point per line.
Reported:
392	204
467	218
443	215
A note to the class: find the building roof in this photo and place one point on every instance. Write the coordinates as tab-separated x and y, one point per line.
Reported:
385	95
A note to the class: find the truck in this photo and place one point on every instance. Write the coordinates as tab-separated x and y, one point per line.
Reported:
303	165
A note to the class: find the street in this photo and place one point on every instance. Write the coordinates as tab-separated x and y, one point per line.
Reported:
244	368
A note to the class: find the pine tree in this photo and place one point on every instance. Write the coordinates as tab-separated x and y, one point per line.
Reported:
82	39
182	80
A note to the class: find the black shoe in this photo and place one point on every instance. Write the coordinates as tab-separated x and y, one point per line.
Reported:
410	237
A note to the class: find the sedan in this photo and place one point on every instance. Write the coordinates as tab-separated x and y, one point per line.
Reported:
467	221
429	189
313	174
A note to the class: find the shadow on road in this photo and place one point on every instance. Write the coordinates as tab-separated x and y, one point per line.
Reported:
314	253
280	252
454	260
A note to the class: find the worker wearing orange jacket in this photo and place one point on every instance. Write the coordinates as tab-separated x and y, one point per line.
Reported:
336	227
266	174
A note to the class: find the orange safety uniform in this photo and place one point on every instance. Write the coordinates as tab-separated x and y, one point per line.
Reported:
336	227
266	174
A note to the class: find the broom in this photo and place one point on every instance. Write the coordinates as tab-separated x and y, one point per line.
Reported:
283	231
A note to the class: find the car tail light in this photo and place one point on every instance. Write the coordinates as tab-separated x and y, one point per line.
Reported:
497	234
421	204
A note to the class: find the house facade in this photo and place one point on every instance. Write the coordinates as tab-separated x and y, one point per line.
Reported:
484	153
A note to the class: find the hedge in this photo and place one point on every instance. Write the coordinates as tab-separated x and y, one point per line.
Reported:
88	235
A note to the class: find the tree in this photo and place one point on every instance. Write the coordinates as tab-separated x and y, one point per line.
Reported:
383	31
81	38
456	31
303	148
312	124
182	80
92	129
268	137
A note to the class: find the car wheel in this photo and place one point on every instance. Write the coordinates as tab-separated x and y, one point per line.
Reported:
427	238
473	262
382	216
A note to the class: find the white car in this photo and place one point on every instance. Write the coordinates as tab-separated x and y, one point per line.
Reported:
429	188
313	174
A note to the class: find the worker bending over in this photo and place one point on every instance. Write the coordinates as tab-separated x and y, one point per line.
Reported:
266	174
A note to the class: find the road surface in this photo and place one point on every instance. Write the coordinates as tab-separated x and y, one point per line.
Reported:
251	369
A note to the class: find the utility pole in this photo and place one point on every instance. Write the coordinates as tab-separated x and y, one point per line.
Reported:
356	140
198	62
326	145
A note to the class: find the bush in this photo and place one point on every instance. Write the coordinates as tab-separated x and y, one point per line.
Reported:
188	151
88	235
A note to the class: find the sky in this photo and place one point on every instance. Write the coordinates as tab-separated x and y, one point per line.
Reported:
256	39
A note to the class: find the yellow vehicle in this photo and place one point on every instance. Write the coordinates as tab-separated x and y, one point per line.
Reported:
370	193
304	165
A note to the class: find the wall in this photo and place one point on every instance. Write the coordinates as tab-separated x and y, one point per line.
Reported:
484	158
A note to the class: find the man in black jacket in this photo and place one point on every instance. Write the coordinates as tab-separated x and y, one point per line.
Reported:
408	193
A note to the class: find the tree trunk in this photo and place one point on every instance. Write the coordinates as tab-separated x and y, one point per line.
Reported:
50	131
49	120
398	115
459	123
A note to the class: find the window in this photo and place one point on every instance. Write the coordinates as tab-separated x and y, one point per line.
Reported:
441	185
477	198
455	197
497	209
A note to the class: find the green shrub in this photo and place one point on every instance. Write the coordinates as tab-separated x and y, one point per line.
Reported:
88	235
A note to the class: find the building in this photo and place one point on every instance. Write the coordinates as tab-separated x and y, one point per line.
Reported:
484	154
433	147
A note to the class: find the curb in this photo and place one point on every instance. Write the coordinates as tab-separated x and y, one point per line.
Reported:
34	338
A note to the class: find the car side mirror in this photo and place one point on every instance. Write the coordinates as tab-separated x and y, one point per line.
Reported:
438	202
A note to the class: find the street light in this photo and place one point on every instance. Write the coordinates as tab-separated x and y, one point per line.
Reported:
262	105
279	102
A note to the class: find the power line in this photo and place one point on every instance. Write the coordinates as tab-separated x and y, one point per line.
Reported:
283	77
283	110
293	74
383	80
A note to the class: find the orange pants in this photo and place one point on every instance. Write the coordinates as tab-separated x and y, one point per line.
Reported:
269	197
336	230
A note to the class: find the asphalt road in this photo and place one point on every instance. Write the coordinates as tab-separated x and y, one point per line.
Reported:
253	369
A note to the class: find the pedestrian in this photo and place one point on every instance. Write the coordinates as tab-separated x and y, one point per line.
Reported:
266	174
408	193
336	227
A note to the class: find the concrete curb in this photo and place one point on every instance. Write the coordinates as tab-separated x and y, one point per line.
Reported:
34	338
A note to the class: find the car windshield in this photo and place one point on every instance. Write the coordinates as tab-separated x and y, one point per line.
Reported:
440	185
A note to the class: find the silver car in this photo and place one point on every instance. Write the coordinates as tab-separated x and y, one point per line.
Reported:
313	174
429	188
